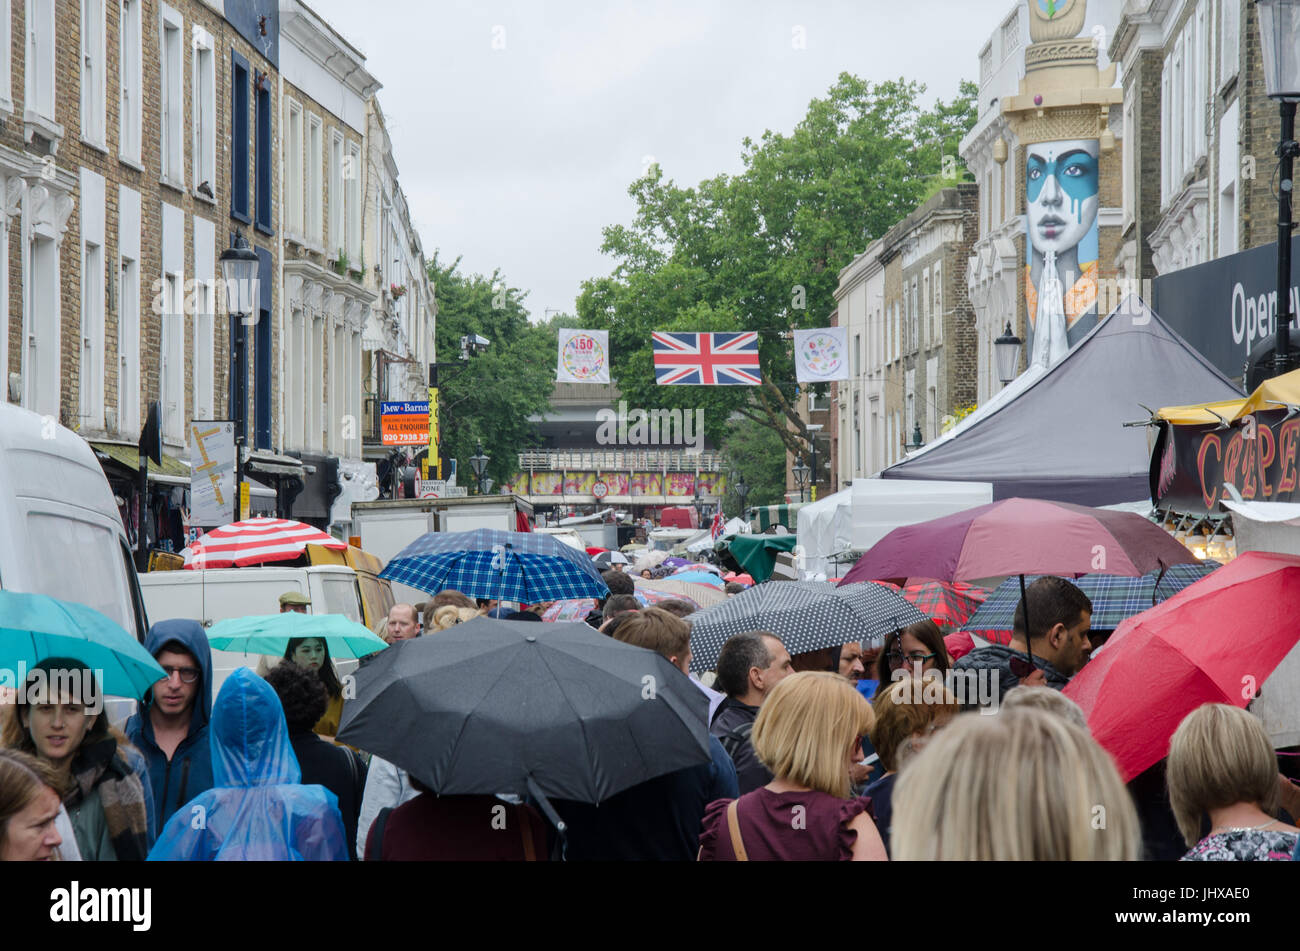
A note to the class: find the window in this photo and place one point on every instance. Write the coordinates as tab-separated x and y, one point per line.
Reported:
857	356
204	109
1166	124
293	163
128	311
171	69
262	352
39	65
263	155
1129	149
1010	36
818	402
338	388
938	302
352	175
316	381
986	64
926	308
93	64
315	162
91	357
294	382
239	137
130	114
204	306
337	211
1229	166
916	317
171	360
1229	39
931	412
6	46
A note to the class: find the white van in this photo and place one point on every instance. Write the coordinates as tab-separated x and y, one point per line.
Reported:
60	531
215	594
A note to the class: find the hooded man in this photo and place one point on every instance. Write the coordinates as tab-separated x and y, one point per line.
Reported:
171	728
258	809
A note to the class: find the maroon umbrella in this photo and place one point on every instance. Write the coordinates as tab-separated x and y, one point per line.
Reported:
1021	536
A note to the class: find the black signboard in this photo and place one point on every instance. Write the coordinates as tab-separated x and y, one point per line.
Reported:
1257	454
1226	306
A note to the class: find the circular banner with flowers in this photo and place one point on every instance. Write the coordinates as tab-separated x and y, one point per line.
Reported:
584	356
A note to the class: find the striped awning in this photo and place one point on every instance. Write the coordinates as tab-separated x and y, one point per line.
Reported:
256	541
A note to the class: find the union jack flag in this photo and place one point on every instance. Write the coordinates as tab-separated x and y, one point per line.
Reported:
717	528
706	359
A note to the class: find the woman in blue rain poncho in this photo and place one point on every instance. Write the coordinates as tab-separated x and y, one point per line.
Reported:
257	808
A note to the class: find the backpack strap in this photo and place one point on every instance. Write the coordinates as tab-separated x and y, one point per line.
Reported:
733	826
734	739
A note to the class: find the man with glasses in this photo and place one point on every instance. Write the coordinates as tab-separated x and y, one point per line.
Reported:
171	728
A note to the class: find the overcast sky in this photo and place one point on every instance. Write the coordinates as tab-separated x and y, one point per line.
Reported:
516	157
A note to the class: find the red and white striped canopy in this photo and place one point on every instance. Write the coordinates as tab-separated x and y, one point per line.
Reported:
256	541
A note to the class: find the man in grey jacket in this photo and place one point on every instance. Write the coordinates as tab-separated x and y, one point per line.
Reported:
749	666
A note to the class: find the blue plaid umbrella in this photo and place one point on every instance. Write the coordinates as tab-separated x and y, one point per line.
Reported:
490	563
1114	597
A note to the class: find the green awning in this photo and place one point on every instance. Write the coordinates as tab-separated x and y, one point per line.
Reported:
128	457
766	516
756	554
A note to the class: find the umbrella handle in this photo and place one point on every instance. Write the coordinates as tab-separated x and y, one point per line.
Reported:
549	811
1155	590
1029	637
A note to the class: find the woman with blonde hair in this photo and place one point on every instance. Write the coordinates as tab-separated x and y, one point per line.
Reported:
808	733
1025	785
29	809
449	615
1221	764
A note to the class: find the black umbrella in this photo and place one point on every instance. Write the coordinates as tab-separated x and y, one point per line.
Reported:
556	710
806	615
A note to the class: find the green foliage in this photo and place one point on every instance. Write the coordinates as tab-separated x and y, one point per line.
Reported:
341	263
492	398
762	250
756	451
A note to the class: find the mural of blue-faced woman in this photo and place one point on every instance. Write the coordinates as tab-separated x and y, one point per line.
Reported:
1061	192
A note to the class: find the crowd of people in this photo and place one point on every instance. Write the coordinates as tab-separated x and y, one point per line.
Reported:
857	752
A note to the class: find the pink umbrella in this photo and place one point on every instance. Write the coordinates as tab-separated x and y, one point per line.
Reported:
1021	536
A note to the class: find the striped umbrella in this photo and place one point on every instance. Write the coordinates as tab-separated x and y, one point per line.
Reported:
702	594
256	541
577	609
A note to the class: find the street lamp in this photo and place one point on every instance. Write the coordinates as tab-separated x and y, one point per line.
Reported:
239	270
1279	31
741	489
813	430
479	463
917	439
801	473
1006	350
698	502
470	345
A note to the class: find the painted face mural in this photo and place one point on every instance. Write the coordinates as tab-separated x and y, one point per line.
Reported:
1061	192
1061	187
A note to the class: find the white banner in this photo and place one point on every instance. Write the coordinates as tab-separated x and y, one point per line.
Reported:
212	472
584	357
821	355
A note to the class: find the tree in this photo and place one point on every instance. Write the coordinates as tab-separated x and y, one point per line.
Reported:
756	452
494	396
762	250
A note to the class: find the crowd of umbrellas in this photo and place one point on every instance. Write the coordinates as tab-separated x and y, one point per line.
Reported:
557	710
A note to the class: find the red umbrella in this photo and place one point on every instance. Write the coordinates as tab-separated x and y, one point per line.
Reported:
256	541
960	643
1021	536
1215	641
594	550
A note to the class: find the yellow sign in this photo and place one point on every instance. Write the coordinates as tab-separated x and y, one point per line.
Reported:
243	501
434	454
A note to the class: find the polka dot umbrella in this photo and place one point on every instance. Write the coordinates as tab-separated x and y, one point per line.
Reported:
807	616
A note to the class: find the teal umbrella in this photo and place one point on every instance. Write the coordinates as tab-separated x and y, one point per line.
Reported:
34	627
270	634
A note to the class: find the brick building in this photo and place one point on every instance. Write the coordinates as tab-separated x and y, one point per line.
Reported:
139	137
929	369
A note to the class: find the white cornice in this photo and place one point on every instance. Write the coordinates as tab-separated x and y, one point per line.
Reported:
317	39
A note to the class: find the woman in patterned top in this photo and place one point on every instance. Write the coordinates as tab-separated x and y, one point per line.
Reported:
1221	763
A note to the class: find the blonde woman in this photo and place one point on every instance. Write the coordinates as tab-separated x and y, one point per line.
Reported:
808	733
448	616
1025	785
1221	764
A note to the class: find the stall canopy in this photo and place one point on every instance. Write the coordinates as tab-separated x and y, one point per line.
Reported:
826	530
1060	434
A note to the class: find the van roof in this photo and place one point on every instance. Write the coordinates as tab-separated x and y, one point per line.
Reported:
260	573
41	459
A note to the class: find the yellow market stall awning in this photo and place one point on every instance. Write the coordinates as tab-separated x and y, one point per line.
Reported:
1277	393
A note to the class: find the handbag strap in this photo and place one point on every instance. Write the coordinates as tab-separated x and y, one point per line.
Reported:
526	830
733	826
